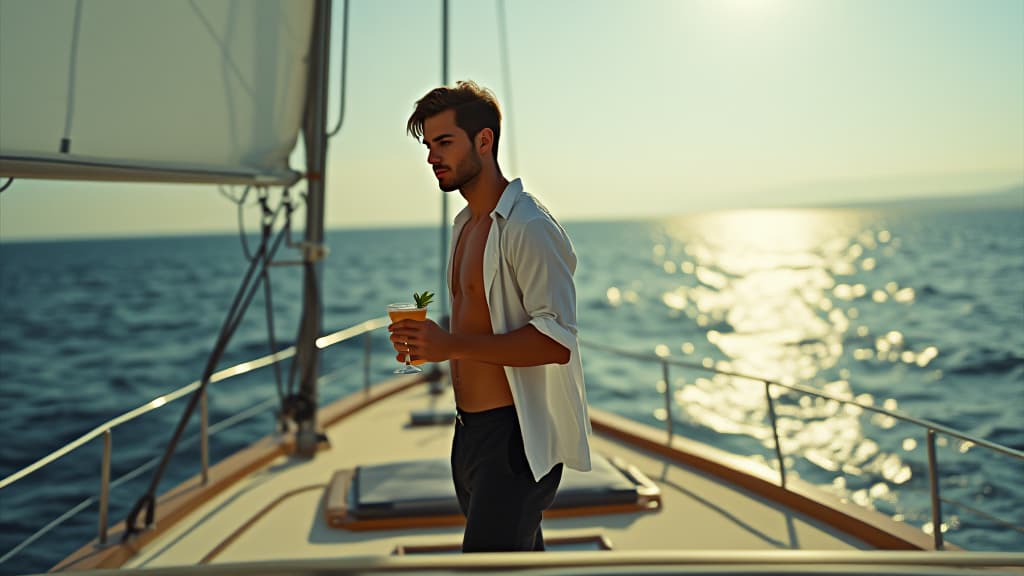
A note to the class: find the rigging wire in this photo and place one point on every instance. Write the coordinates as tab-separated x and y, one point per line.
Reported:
268	217
228	192
240	204
344	61
265	212
288	204
254	276
241	226
268	300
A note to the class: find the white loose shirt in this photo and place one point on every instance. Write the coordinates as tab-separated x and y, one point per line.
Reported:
528	264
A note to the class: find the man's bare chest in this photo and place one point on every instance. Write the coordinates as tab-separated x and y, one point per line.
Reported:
468	260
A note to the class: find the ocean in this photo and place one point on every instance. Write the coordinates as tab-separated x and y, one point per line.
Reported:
913	308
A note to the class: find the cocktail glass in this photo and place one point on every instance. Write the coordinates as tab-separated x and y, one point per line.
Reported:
401	311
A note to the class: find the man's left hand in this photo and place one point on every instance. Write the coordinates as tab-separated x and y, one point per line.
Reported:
424	339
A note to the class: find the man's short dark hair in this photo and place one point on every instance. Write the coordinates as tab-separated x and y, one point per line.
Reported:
475	108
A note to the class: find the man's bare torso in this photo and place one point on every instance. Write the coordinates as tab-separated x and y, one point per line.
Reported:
478	386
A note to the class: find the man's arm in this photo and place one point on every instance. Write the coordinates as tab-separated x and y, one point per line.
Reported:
525	346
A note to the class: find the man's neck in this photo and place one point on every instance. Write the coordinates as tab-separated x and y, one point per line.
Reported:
484	192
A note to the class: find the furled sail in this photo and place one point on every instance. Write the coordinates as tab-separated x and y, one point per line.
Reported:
188	91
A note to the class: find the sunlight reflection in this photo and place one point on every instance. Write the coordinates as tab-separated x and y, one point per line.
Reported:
614	296
926	356
904	296
773	291
675	300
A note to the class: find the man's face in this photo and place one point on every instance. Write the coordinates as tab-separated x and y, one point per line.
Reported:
451	153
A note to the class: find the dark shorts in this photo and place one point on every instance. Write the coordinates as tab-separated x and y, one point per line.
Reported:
496	490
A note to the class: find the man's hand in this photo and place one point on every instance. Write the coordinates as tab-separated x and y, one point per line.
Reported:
422	339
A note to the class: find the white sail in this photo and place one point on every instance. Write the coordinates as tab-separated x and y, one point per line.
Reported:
183	91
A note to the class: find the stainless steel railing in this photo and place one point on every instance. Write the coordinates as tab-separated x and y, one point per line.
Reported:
364	329
931	428
105	430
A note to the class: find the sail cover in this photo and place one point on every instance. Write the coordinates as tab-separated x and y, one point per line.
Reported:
185	91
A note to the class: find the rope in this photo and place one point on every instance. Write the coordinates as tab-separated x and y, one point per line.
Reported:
7	184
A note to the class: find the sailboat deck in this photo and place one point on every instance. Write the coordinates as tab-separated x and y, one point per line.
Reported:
277	512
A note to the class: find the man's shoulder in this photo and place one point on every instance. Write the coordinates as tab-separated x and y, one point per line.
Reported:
530	223
528	208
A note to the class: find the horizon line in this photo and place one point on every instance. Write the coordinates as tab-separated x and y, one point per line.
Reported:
1008	195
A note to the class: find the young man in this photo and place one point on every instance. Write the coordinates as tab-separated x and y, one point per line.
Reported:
512	345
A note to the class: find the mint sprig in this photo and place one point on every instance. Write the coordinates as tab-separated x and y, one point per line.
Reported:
423	299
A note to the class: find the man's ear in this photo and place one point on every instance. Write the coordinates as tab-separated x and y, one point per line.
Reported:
484	141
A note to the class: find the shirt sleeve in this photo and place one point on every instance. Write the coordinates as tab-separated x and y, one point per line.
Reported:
544	264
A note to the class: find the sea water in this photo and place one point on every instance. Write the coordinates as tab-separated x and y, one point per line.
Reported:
912	309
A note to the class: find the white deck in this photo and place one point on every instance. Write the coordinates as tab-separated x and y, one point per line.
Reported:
698	512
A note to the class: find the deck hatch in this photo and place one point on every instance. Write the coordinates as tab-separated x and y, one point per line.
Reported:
420	493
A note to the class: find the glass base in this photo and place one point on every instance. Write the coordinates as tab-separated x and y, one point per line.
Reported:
408	369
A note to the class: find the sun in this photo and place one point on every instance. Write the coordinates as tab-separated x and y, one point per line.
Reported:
749	7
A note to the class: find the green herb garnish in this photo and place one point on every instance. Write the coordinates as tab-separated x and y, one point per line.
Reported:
423	299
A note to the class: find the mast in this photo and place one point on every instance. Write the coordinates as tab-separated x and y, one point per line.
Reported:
315	132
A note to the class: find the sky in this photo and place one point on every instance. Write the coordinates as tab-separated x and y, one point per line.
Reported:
641	108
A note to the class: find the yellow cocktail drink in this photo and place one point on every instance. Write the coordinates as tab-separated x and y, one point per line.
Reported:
407	311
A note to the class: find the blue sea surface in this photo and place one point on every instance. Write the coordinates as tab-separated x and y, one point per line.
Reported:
914	310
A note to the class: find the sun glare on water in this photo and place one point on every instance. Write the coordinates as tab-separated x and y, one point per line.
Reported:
769	275
776	291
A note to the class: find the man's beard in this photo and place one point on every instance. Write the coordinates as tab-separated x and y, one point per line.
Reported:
466	170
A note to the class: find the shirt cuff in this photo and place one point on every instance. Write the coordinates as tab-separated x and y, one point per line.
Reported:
552	329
